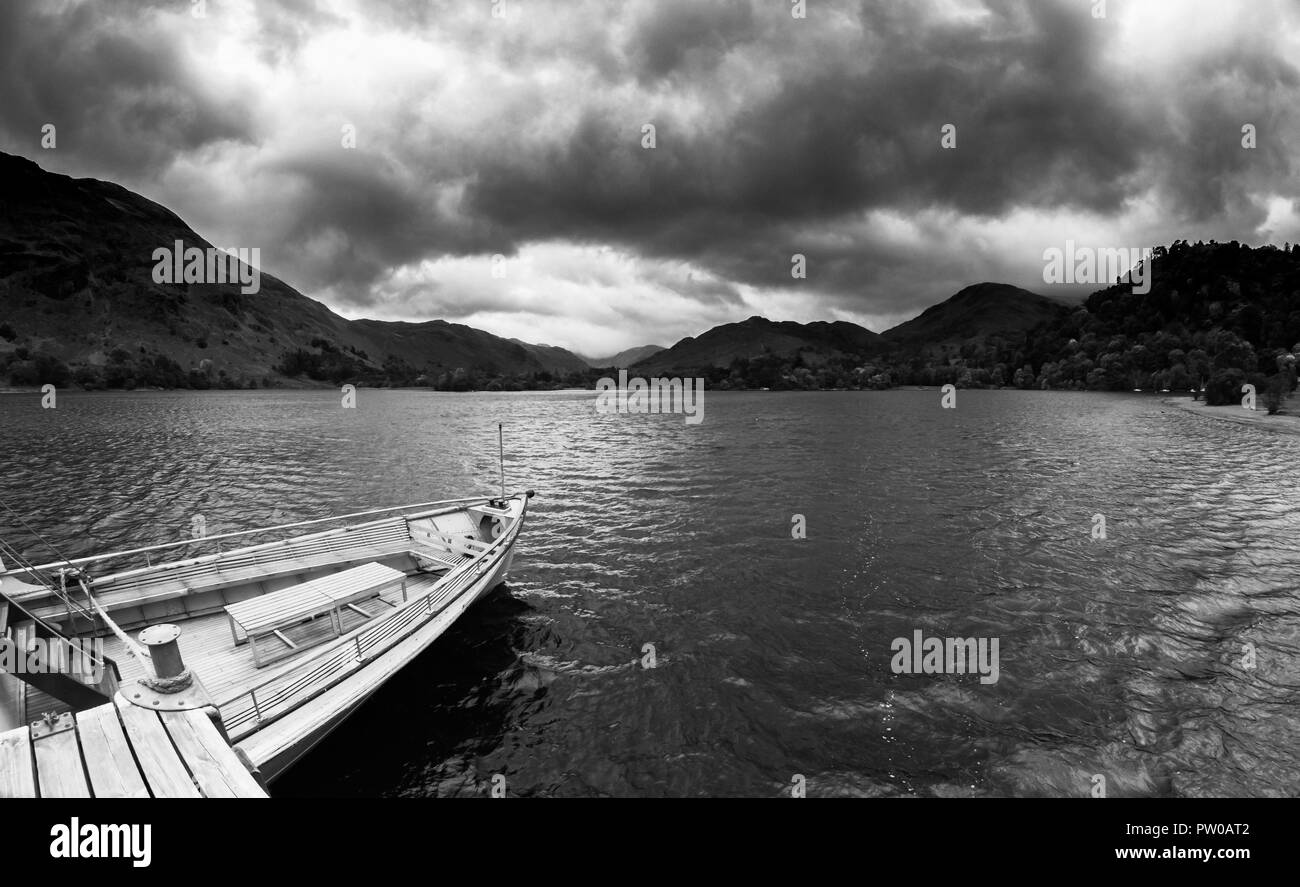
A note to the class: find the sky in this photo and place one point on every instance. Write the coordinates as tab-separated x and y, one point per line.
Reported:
488	163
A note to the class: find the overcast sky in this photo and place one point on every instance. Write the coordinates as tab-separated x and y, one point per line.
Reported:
522	136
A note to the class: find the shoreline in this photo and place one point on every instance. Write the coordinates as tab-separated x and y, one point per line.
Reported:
1284	422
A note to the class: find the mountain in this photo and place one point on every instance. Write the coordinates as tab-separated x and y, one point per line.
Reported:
626	358
759	337
439	345
77	287
554	358
977	312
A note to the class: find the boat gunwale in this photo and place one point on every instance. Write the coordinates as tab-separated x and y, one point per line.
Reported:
434	508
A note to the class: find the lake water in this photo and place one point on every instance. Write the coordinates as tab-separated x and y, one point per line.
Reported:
1123	658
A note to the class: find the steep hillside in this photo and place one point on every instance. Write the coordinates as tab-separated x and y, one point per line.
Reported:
77	290
1217	314
978	311
759	337
554	358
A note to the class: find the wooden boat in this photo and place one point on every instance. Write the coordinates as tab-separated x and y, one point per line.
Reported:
282	632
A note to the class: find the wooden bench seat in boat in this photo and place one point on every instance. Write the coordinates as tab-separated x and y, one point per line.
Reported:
460	545
436	550
271	614
435	557
445	551
269	560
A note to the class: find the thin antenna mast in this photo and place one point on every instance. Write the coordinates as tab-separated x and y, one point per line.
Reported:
501	460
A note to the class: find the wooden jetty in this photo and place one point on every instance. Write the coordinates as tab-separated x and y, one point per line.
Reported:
120	750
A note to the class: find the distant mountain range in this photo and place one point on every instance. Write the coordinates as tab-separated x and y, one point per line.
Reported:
626	358
976	314
758	336
554	358
1217	316
79	302
562	361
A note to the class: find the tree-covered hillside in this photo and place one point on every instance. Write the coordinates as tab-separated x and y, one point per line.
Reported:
1217	315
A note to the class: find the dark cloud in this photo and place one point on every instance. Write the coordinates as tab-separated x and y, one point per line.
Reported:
774	135
384	216
687	38
124	97
1042	122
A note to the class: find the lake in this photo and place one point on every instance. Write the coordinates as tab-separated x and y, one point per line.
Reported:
1162	658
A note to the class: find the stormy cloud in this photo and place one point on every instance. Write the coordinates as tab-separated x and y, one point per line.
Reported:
523	137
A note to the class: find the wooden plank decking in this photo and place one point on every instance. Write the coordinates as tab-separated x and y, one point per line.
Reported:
118	750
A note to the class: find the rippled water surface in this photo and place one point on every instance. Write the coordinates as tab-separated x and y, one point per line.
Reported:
1121	657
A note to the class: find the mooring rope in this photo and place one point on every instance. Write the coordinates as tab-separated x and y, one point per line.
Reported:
135	649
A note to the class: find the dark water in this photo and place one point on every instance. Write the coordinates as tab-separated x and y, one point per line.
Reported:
1120	658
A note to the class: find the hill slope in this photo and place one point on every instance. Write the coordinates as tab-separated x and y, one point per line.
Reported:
554	358
760	337
978	311
1218	314
625	358
77	287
